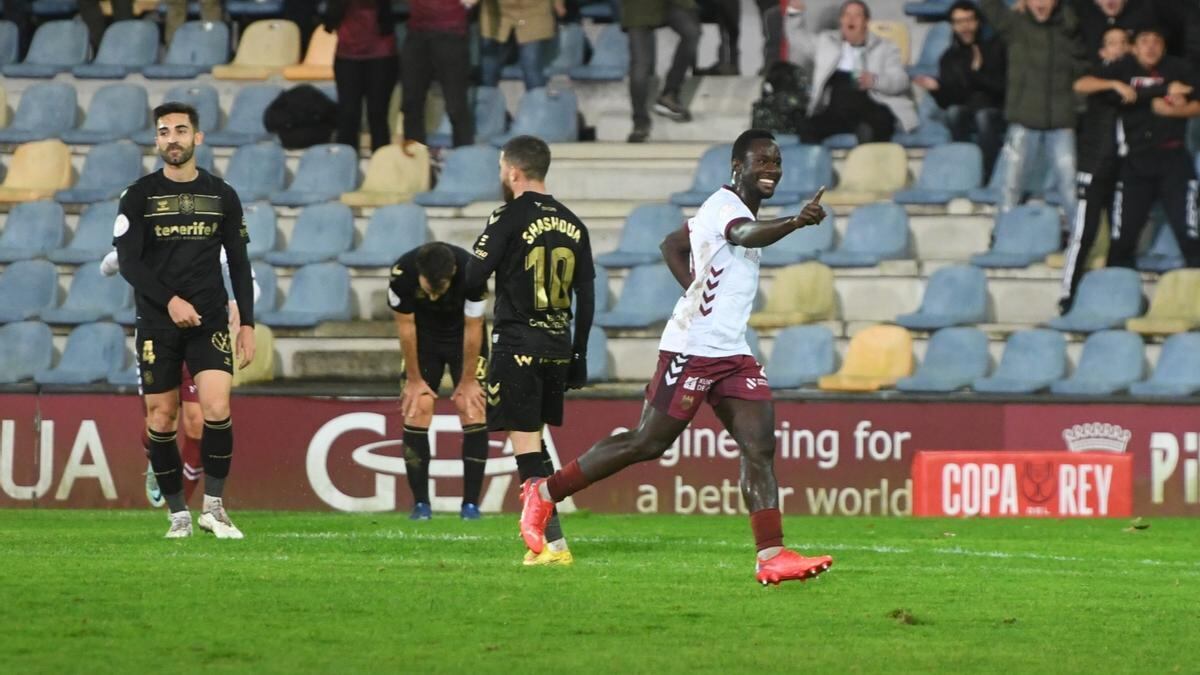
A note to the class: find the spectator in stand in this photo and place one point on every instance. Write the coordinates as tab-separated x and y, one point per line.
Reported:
1097	16
436	48
641	19
531	23
177	15
727	14
93	17
970	84
1179	20
364	66
859	85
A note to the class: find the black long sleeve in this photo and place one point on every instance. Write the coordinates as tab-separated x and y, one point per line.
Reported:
235	237
129	236
585	309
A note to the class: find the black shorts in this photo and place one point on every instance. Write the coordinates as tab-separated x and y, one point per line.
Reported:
162	352
435	355
525	392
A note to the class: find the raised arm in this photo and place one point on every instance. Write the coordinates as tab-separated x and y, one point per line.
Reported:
763	233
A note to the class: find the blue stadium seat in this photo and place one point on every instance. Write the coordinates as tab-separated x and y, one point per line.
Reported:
117	111
1021	237
319	292
260	222
257	171
804	244
610	57
93	352
326	171
202	97
648	297
9	43
268	287
1178	369
840	142
1164	253
805	169
875	232
551	115
644	230
949	171
57	47
392	231
130	377
46	110
107	171
245	122
1111	361
195	48
1032	360
937	41
93	236
802	355
204	159
127	47
599	10
470	175
1040	182
712	171
32	230
600	287
597	357
928	134
322	231
1106	299
254	8
954	359
954	295
558	57
25	348
491	118
92	297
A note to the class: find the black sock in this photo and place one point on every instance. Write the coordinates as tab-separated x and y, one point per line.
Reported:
168	468
531	465
216	454
475	453
416	460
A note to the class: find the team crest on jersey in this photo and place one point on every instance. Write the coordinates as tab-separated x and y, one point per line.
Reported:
220	341
187	204
687	402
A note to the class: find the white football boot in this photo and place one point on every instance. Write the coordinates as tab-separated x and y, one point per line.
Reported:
181	525
216	520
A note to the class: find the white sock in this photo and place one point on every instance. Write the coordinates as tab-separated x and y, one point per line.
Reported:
182	514
557	546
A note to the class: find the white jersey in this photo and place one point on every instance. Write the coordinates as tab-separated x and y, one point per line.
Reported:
711	317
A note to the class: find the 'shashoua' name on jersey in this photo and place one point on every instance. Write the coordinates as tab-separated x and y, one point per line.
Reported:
551	224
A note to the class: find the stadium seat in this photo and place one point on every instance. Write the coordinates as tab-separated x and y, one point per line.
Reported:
25	348
807	243
395	174
92	297
107	171
895	32
491	118
127	47
195	48
261	224
46	110
202	97
955	295
937	41
928	9
1021	237
800	294
1178	369
1032	360
4	109
470	175
1164	253
392	231
262	368
257	171
265	49
1111	361
322	231
129	377
802	356
954	359
326	171
877	357
93	236
57	47
31	230
318	60
10	43
948	172
875	232
37	171
268	287
872	171
245	121
610	57
117	111
643	232
712	171
806	168
1106	298
1175	307
597	356
93	352
550	114
600	288
319	292
647	297
1039	181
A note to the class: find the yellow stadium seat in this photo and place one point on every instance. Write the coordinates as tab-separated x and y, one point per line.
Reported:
394	174
1175	307
37	171
873	171
266	48
895	32
262	368
801	294
4	111
876	358
318	62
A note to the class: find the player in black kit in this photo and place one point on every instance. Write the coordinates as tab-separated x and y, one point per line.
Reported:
542	256
440	322
169	231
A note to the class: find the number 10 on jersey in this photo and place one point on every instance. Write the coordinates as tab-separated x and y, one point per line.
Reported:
562	271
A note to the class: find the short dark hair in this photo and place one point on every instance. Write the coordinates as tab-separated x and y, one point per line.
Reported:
1150	28
964	6
866	10
172	107
1119	29
435	262
742	144
530	154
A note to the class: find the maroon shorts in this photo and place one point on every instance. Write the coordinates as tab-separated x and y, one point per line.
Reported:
187	387
681	382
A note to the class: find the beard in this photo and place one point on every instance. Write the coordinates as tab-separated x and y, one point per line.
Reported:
184	155
508	192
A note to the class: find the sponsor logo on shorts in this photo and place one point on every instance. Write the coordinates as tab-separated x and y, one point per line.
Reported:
220	341
697	384
675	369
523	360
756	382
148	354
493	394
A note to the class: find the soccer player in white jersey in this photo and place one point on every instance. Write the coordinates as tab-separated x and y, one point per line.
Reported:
704	356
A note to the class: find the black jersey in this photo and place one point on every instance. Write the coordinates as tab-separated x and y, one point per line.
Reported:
438	319
169	236
1097	142
1144	132
540	252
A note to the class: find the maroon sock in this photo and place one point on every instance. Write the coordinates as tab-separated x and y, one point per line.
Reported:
566	482
767	525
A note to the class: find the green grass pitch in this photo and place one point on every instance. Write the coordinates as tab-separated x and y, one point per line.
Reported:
95	591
